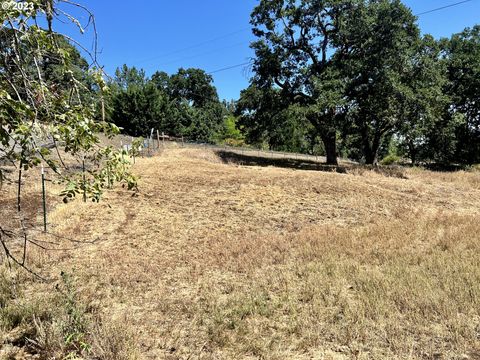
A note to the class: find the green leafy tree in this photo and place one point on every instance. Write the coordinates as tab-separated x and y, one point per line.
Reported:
194	86
139	109
380	39
422	113
184	104
259	112
162	81
267	118
203	113
297	50
126	78
231	130
462	55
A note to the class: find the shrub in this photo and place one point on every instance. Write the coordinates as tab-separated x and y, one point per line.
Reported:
234	142
390	160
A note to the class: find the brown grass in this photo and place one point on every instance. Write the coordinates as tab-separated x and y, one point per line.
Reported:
220	261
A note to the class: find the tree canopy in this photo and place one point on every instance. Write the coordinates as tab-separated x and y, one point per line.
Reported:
359	76
183	104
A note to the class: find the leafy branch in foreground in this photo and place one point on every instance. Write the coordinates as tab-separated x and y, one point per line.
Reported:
51	104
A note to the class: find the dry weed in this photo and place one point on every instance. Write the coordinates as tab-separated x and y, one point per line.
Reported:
219	261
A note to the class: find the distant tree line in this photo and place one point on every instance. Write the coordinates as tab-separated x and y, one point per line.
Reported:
349	78
183	104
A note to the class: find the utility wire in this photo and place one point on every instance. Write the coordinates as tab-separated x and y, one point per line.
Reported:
419	14
194	45
443	7
245	29
229	68
204	53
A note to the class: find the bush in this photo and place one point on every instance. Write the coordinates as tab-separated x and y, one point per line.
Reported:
234	142
390	160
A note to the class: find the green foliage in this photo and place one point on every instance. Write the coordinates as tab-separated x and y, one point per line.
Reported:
126	78
115	169
230	133
139	109
74	325
293	60
193	86
49	93
202	123
230	128
360	70
462	55
423	111
441	125
390	160
184	104
382	38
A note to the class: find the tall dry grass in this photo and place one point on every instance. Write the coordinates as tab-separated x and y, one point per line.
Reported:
388	290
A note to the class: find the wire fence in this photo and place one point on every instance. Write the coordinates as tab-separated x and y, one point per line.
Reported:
153	145
36	227
156	144
132	148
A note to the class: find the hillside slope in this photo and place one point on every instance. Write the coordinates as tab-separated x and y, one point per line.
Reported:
216	260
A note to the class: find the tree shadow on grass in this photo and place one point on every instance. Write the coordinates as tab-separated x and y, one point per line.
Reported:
230	157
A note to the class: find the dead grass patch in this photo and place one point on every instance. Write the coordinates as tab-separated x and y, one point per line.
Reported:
225	261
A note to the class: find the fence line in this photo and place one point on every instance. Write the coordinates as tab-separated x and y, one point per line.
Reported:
166	141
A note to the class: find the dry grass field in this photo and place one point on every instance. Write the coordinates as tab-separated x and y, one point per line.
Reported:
216	260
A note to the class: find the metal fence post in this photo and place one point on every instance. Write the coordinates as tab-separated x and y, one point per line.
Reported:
84	181
44	198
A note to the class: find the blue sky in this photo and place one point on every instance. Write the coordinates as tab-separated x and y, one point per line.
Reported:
214	34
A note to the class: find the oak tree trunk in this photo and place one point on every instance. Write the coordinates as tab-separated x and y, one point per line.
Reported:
330	143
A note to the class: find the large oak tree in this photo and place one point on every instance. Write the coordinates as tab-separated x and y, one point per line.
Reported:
297	41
